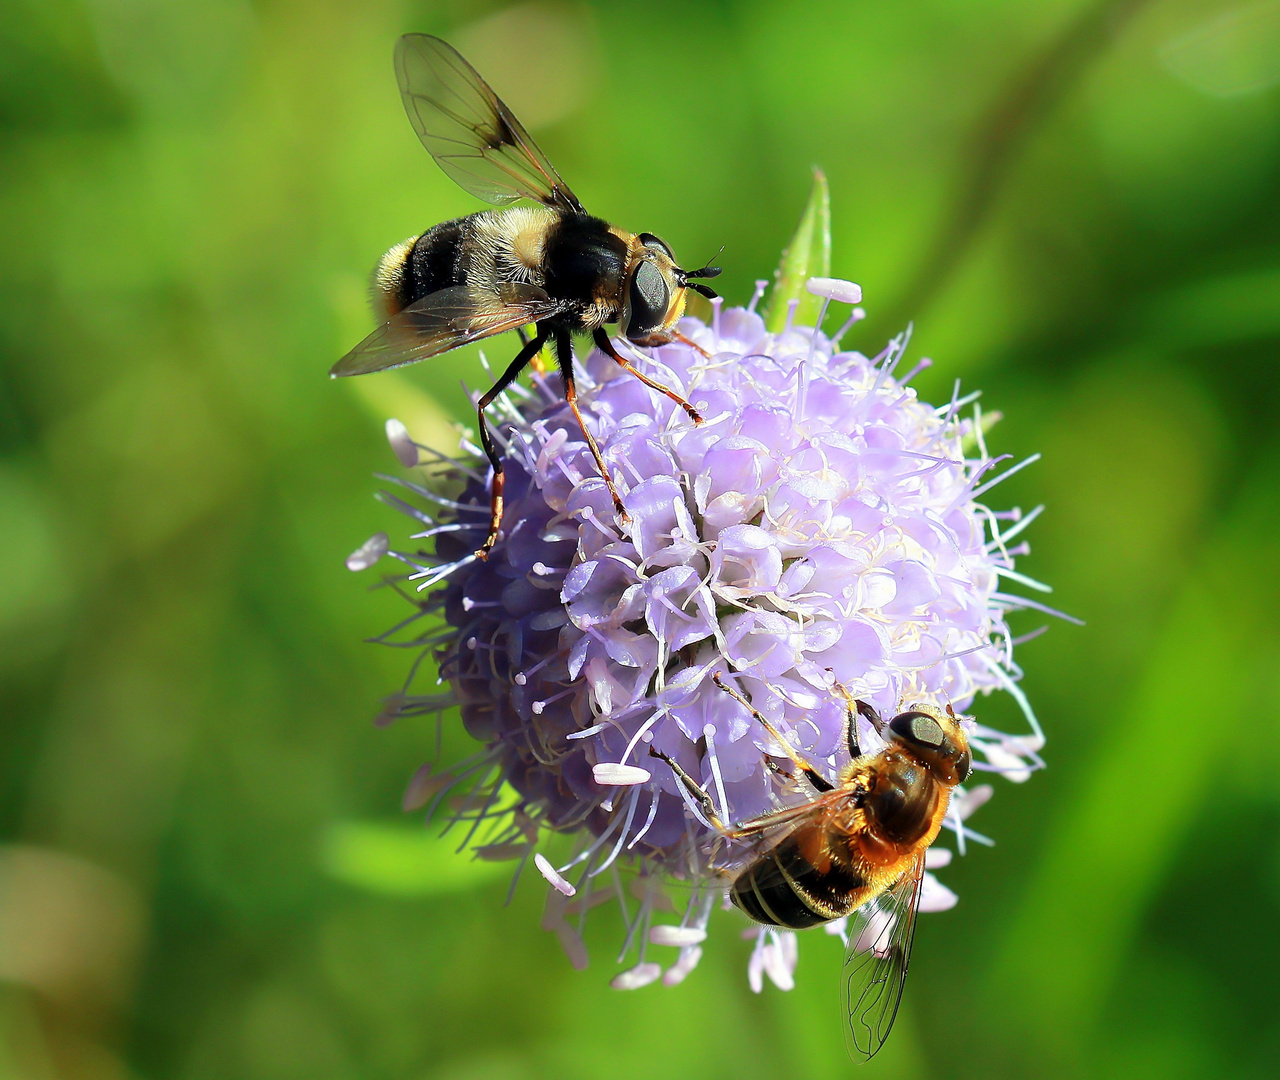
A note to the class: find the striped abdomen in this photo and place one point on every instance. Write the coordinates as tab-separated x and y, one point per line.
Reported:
423	264
786	887
575	257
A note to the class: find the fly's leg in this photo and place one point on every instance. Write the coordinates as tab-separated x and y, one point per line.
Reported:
606	346
741	830
690	342
535	361
778	770
813	776
854	708
514	368
564	354
696	790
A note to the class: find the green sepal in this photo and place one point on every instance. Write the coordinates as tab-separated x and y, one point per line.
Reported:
808	255
986	421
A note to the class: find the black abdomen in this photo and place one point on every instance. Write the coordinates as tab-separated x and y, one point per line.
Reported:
436	261
784	889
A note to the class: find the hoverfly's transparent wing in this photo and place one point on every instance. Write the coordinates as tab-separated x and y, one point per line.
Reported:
473	136
875	967
444	320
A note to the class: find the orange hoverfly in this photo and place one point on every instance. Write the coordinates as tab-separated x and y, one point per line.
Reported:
855	848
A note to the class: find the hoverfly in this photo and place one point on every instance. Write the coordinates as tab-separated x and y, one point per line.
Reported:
551	266
857	846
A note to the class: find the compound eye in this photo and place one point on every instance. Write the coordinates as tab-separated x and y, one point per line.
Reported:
649	301
651	241
919	728
964	766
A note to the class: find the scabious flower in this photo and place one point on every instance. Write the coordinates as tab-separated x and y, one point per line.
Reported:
823	525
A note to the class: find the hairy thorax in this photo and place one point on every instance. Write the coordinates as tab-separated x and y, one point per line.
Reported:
903	809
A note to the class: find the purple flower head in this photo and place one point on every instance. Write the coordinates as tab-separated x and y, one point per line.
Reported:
822	526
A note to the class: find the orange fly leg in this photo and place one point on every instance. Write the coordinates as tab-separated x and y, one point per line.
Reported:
564	353
690	342
606	346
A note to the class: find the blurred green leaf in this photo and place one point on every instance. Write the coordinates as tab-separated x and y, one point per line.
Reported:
1236	307
1233	53
30	541
397	860
807	255
1065	950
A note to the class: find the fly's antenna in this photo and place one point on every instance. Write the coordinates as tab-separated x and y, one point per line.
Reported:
707	271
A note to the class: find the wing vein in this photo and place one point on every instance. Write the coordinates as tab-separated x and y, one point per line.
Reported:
449	104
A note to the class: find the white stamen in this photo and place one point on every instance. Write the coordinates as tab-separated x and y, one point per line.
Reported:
643	732
1021	522
369	552
709	732
653	812
843	292
936	858
611	774
539	707
935	896
433	577
779	959
633	802
679	971
636	977
1023	579
1005	475
552	875
1024	602
405	449
755	966
665	934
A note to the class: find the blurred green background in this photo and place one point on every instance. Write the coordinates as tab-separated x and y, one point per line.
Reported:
204	872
